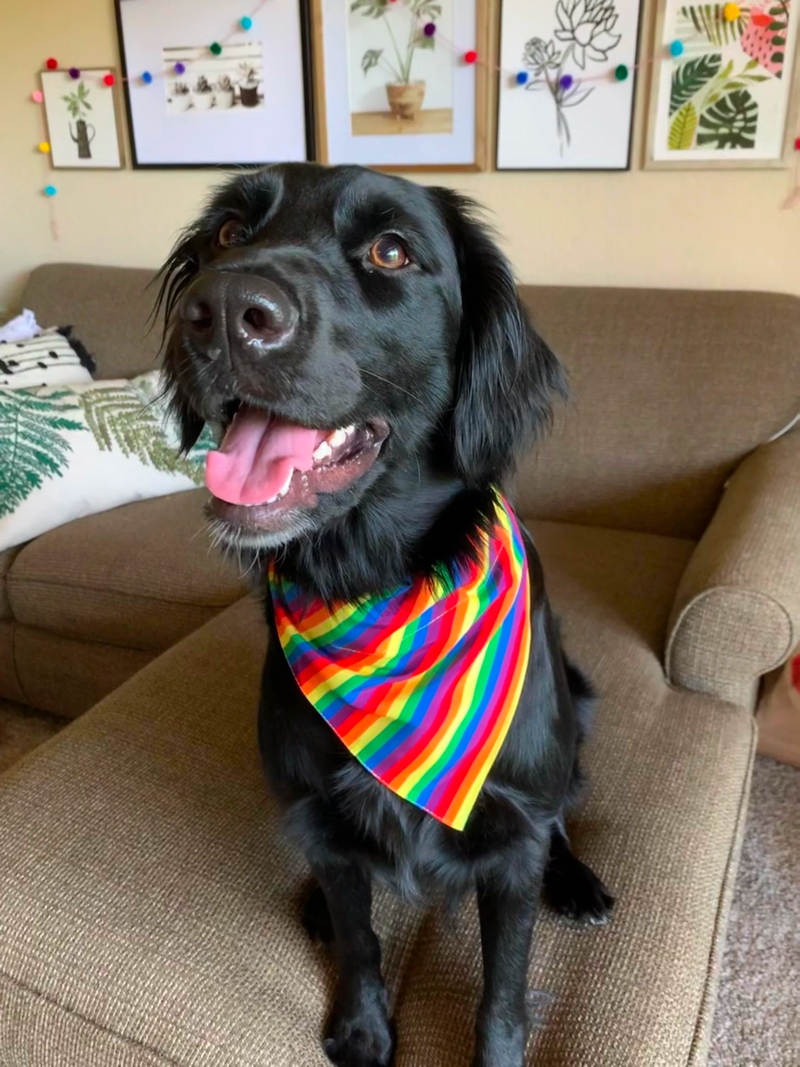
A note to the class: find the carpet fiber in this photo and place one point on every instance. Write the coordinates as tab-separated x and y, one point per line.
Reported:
755	1022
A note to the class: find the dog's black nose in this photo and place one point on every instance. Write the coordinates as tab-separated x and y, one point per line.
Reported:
248	313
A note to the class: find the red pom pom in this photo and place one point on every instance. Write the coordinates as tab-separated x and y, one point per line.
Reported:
797	144
52	64
470	57
108	79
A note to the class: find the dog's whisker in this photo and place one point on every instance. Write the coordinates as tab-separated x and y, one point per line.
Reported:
394	385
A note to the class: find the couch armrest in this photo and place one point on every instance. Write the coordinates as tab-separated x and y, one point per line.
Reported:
737	609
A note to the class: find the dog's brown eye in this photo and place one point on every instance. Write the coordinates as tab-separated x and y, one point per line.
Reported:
388	252
232	233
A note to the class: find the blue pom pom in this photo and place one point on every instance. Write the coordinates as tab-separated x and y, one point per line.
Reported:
246	23
522	77
676	48
147	77
50	190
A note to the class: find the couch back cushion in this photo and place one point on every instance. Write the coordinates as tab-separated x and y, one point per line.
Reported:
671	389
109	308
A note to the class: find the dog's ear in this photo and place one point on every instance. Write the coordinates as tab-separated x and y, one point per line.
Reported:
506	376
172	280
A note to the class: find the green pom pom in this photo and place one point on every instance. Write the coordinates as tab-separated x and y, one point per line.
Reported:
621	72
215	48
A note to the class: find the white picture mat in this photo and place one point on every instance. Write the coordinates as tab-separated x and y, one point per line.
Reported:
102	118
425	149
773	96
268	134
601	126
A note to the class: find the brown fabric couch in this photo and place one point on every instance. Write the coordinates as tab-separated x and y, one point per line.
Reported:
147	900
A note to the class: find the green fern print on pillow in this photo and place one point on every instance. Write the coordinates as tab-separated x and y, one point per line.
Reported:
37	428
32	442
118	420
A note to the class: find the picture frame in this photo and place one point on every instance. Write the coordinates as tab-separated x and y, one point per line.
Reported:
567	84
716	101
215	83
390	96
83	121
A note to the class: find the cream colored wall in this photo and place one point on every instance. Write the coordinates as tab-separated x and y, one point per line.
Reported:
722	229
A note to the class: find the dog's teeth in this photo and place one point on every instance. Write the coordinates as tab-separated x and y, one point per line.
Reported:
337	438
349	431
322	451
287	483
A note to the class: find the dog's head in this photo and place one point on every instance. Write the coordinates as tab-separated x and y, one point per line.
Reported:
345	328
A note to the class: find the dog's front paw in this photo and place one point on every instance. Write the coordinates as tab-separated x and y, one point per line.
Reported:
361	1038
574	890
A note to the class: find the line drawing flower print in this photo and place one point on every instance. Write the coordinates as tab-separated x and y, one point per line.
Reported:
585	29
587	25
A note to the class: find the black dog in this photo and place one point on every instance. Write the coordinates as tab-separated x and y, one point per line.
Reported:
313	299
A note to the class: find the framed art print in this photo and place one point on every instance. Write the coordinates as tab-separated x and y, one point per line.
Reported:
722	85
216	82
567	81
81	119
398	85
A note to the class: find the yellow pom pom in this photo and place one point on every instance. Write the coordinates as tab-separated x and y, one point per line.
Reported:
731	12
44	146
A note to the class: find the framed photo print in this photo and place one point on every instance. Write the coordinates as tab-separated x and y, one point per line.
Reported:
82	119
567	81
722	85
398	84
216	82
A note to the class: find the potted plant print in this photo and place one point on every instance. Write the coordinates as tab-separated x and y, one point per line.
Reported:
224	92
404	96
181	97
77	105
203	95
248	85
585	34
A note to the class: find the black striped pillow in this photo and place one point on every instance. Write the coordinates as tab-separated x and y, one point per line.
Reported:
54	357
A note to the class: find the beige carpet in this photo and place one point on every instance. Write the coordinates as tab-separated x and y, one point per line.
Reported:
756	1023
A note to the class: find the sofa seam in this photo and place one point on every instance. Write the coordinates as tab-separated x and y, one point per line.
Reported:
15	625
116	592
721	918
104	1028
698	597
107	644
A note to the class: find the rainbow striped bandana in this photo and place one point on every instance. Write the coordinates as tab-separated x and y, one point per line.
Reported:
420	684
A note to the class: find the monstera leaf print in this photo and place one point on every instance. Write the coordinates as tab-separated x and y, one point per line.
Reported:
730	123
690	77
32	447
118	419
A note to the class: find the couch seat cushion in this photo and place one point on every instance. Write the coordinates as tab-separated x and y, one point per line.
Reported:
140	576
148	901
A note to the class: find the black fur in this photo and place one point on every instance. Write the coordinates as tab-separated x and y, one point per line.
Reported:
443	351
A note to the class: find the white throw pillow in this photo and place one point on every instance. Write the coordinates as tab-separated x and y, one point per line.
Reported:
53	357
77	450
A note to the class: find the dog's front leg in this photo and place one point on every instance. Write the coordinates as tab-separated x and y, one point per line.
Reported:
359	1032
507	916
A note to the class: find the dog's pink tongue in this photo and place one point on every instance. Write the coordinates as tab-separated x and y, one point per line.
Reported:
257	456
